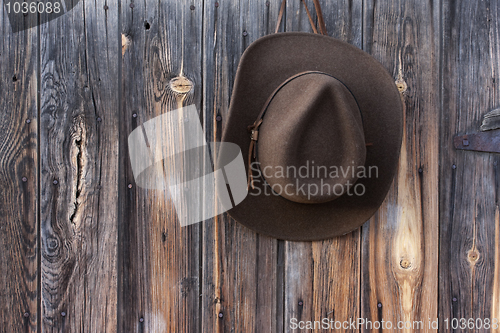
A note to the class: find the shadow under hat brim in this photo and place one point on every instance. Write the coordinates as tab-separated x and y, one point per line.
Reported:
267	63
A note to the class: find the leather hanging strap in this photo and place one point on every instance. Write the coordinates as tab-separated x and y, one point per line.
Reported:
319	13
321	21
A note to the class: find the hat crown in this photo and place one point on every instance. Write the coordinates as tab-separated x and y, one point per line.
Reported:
311	142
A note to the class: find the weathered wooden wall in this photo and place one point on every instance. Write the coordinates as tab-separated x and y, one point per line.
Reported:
85	250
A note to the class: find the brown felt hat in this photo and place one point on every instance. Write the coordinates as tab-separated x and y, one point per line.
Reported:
320	124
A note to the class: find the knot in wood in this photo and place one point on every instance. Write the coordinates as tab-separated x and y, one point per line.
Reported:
405	263
402	86
181	85
473	256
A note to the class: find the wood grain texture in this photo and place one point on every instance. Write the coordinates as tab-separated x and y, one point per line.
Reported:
18	179
400	244
322	278
159	264
469	191
84	249
240	280
79	169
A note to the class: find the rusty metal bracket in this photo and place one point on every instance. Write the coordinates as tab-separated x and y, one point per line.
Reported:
488	141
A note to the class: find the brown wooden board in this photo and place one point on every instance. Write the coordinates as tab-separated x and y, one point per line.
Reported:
400	244
18	178
469	191
159	263
79	169
322	278
240	291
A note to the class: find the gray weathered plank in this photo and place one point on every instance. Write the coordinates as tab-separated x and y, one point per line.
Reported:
469	192
239	266
321	276
18	178
79	169
400	244
159	265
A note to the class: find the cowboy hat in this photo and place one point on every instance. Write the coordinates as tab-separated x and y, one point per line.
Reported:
320	124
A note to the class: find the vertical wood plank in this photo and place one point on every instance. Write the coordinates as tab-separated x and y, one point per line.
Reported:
159	265
240	280
322	278
79	169
18	178
469	196
400	244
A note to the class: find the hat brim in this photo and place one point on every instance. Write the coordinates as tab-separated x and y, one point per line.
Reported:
264	66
